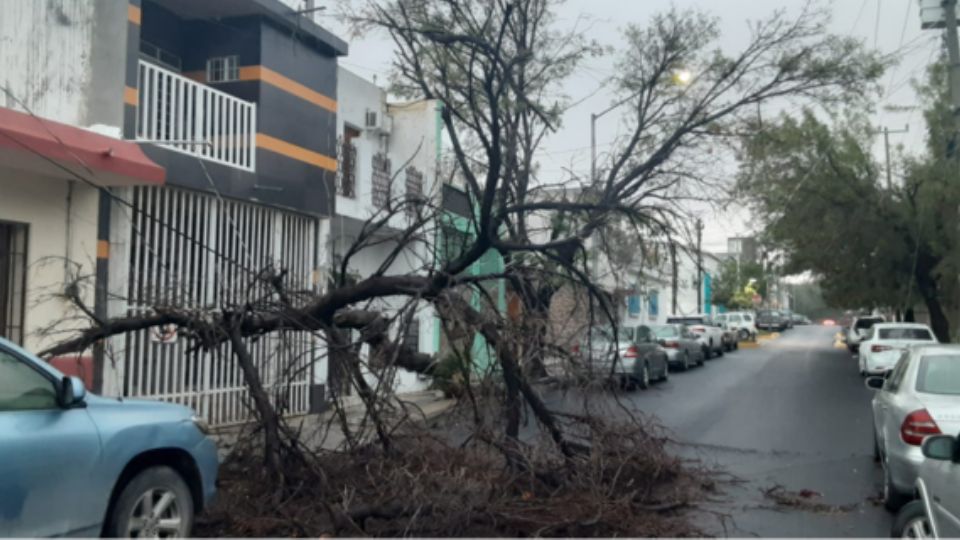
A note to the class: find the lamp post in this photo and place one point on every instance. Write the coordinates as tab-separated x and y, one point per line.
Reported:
682	77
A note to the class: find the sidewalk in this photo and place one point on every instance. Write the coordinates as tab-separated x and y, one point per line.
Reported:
323	431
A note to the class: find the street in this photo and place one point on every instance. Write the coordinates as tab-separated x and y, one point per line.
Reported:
793	412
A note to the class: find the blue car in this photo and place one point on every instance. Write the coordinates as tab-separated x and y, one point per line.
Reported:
76	464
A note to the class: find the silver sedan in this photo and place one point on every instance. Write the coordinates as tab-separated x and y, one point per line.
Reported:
682	346
919	398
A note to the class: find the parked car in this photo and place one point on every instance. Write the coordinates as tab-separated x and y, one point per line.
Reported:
709	333
787	318
73	463
920	397
771	319
936	512
742	323
885	343
858	329
634	358
682	347
800	320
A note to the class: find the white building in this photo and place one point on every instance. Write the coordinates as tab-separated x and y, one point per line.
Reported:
387	152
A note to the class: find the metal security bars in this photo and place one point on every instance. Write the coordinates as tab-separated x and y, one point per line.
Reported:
381	180
194	251
347	169
183	115
13	271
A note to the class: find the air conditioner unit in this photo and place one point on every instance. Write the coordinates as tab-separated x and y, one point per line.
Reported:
375	121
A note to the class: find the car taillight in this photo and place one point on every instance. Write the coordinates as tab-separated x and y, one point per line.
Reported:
880	348
671	344
916	426
631	352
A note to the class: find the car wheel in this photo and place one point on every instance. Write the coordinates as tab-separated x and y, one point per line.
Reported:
743	335
892	499
155	503
666	372
706	352
644	381
912	522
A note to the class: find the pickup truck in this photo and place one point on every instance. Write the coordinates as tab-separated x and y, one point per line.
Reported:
709	333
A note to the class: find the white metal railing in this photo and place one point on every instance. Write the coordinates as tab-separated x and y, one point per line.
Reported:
183	115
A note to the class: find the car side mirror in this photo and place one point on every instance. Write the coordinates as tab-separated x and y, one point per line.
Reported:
940	447
875	383
72	392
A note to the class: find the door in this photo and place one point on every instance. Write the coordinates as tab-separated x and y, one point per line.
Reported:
886	404
47	456
942	479
650	351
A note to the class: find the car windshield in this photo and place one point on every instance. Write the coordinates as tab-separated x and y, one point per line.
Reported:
906	333
939	374
747	318
866	324
733	318
665	331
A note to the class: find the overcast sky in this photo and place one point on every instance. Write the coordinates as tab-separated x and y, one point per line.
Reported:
889	25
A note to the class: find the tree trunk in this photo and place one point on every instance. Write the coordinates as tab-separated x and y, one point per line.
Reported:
930	293
269	419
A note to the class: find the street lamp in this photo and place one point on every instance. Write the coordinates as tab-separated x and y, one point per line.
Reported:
682	77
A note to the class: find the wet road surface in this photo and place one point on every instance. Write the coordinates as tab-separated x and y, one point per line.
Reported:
793	413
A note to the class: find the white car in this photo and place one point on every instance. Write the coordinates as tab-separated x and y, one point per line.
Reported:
742	323
858	329
919	398
885	343
708	332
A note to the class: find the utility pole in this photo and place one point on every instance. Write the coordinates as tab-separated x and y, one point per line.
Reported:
886	149
953	49
699	266
673	284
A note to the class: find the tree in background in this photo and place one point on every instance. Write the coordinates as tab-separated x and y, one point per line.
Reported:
817	189
734	287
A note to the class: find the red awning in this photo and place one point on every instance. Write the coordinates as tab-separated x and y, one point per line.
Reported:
30	143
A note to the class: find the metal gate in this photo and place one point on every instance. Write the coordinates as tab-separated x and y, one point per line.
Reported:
190	250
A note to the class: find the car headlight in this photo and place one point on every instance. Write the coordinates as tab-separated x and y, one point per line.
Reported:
201	424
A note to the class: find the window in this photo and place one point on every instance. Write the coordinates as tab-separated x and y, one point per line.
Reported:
653	309
893	383
454	242
347	171
381	180
643	335
905	333
223	69
23	388
411	337
414	190
939	374
633	305
13	275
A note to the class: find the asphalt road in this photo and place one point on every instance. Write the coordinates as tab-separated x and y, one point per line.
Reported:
793	413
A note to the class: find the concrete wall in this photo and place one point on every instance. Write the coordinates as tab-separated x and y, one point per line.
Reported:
65	59
54	236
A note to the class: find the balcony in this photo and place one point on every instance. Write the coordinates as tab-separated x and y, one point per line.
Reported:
185	116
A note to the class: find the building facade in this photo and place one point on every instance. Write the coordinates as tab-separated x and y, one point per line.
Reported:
388	155
237	103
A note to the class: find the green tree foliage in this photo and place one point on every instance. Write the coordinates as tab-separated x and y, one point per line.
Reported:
820	195
734	288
